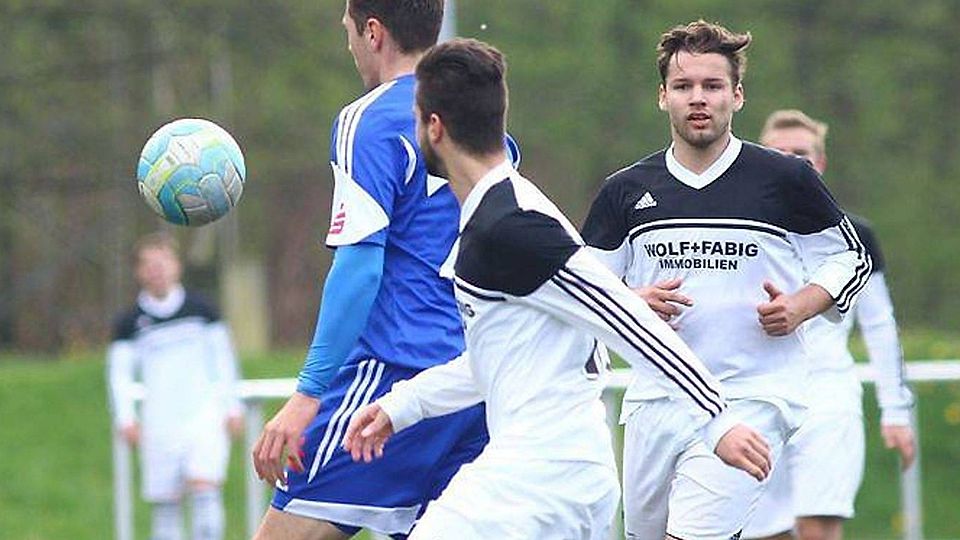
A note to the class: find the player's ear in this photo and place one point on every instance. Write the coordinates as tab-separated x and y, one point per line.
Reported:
662	97
738	98
375	33
435	128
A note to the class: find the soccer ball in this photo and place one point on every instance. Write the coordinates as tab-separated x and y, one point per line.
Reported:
191	172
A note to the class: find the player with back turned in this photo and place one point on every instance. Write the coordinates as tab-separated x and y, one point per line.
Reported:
386	313
535	304
736	245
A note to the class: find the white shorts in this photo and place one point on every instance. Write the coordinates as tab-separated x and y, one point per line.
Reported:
546	500
167	462
672	483
820	474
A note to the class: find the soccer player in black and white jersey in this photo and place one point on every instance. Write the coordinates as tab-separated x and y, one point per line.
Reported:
534	304
813	491
736	245
174	342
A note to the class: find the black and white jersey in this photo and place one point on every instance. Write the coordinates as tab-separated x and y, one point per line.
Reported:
181	351
873	313
535	303
755	215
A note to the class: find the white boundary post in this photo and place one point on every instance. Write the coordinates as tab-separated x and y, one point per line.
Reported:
254	392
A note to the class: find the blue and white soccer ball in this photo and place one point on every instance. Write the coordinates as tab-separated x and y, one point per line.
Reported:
191	172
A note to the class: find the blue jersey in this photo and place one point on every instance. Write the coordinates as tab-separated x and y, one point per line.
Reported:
384	196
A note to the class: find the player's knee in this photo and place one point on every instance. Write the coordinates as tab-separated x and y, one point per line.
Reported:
819	528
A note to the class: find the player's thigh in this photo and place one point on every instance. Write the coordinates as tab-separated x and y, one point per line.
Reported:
826	461
774	512
207	456
710	500
161	471
277	525
533	499
655	434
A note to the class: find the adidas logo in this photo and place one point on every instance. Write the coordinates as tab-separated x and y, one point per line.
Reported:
647	201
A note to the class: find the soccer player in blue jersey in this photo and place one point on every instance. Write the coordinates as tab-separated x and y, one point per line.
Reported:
386	313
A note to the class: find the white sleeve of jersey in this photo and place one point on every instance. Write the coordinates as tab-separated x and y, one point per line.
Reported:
616	260
225	367
439	390
121	375
879	329
586	295
836	260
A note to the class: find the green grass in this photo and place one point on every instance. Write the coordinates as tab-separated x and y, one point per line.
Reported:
56	464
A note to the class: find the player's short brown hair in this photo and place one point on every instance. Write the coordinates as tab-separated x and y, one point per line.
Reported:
794	118
463	81
701	37
413	24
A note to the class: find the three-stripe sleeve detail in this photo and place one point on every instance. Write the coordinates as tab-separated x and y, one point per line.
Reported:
628	327
862	271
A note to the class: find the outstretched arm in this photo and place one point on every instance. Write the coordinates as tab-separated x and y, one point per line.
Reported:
440	390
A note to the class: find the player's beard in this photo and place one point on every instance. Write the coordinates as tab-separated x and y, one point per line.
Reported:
435	165
700	138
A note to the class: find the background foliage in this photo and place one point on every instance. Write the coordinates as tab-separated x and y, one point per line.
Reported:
82	85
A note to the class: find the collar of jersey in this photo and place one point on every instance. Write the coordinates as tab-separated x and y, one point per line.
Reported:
714	171
493	176
162	308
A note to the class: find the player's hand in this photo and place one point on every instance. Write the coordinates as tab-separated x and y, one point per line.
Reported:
901	438
745	449
284	432
235	425
368	431
782	314
131	433
663	298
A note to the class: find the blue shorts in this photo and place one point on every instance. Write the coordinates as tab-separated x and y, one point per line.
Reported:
389	494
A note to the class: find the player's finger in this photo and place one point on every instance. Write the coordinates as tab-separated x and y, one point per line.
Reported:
375	427
663	308
669	284
768	308
771	290
294	453
672	296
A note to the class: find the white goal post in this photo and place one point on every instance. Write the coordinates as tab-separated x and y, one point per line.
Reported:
255	392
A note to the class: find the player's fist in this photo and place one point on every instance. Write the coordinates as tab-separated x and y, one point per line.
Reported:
745	449
900	438
131	433
368	431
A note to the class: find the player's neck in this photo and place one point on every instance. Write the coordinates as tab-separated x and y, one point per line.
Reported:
398	66
698	159
466	171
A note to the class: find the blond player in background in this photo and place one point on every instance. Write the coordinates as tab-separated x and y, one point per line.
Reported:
813	491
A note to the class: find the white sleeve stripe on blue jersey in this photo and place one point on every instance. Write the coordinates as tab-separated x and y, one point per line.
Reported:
862	271
350	120
411	160
658	353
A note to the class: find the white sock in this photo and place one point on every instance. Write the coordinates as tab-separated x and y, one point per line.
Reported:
208	519
167	521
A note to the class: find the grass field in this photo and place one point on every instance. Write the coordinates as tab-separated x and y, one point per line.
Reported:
56	469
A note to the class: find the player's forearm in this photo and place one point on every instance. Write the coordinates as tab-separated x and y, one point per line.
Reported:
812	300
348	297
840	265
586	295
440	390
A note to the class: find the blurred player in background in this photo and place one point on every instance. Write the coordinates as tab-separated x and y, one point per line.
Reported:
719	232
815	486
534	304
386	313
175	343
